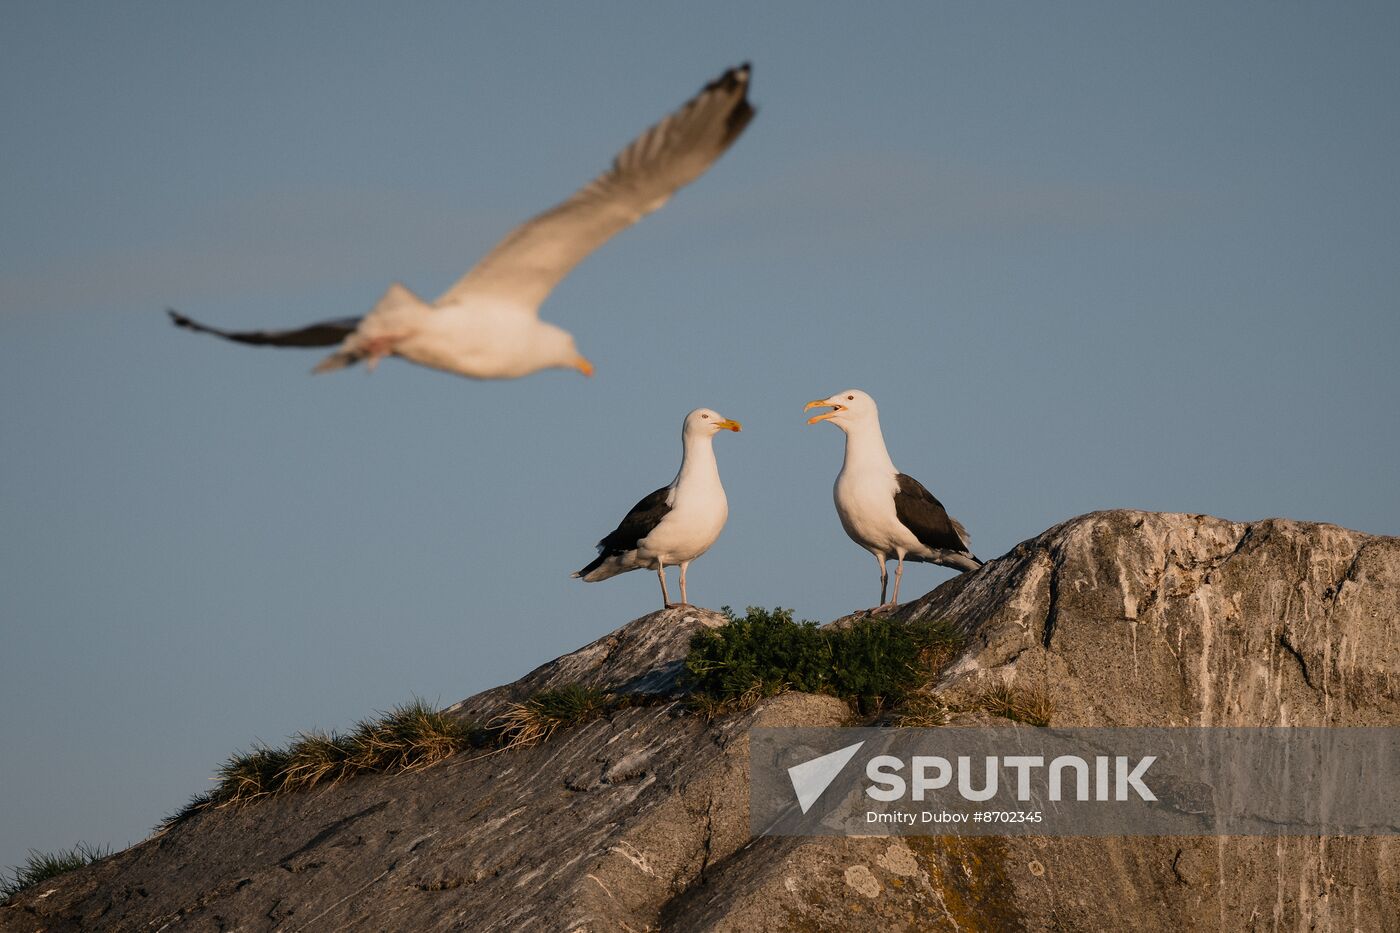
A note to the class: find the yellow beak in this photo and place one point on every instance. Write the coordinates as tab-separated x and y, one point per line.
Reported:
583	366
821	403
729	425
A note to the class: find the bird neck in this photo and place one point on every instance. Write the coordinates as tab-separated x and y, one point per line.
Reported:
865	448
697	460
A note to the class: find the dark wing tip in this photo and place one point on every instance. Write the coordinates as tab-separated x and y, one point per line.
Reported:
732	78
739	118
178	319
735	79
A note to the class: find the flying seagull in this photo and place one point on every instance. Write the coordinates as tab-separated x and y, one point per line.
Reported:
885	511
676	523
487	325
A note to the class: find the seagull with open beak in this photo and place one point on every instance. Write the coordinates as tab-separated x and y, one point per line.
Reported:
883	510
676	523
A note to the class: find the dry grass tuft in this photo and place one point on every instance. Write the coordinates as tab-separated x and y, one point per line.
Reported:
921	711
407	738
713	708
1033	709
536	719
250	775
317	758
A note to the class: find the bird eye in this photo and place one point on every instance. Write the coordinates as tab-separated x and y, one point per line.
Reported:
850	398
706	417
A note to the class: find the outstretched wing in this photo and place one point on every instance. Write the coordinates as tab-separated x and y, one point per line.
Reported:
322	334
525	266
645	516
918	510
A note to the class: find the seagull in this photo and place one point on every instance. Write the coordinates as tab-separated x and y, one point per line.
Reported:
883	510
487	325
676	523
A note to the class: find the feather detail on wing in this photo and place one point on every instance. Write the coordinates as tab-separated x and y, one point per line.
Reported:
524	267
918	510
638	523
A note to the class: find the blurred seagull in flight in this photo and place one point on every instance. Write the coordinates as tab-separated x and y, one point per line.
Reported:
487	325
883	510
676	523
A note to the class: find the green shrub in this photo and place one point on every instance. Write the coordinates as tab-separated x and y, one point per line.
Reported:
41	866
870	663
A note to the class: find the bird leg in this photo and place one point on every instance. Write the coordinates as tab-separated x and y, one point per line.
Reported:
661	575
684	600
898	572
884	577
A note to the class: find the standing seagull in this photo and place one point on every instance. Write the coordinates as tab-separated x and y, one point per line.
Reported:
676	523
487	325
882	509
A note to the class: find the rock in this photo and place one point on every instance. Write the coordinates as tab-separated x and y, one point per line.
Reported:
642	657
1146	619
639	820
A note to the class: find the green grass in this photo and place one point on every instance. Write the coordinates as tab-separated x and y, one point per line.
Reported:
41	866
871	664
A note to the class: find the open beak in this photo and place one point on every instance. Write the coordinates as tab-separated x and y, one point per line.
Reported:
583	366
821	403
729	425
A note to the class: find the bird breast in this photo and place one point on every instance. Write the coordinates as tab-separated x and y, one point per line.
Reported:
695	521
484	343
865	504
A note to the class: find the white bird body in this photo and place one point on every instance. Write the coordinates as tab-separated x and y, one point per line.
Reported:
487	341
865	505
886	512
699	510
677	523
864	494
487	326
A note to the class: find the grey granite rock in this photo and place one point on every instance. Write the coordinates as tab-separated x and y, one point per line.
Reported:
639	821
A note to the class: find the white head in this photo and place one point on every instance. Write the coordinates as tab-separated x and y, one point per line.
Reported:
848	408
555	346
706	422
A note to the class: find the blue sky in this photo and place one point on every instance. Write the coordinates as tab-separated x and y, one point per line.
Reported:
1085	256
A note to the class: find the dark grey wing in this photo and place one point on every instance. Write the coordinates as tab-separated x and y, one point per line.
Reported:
321	334
918	510
645	516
